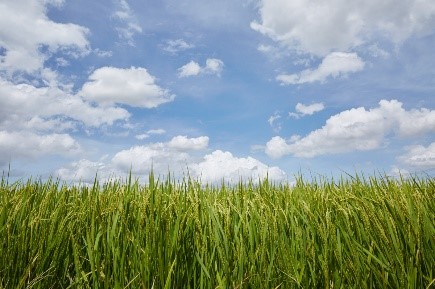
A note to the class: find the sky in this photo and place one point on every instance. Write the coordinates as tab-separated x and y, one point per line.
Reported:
216	89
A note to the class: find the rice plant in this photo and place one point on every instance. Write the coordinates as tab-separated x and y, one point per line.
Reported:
356	232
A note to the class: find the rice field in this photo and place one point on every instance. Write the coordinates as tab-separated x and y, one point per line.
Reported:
356	232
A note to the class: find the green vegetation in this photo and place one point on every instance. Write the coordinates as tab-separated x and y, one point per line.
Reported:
356	233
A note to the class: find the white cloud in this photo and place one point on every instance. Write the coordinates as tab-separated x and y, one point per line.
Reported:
220	165
399	172
277	52
130	24
102	53
212	66
213	168
335	64
414	122
156	131
24	27
183	143
54	124
177	45
29	145
85	171
419	157
376	51
320	28
142	136
149	133
62	62
265	48
257	148
273	122
356	129
277	148
190	69
159	156
303	110
24	106
309	109
131	86
172	155
178	155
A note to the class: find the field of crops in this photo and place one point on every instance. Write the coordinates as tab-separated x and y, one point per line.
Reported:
351	233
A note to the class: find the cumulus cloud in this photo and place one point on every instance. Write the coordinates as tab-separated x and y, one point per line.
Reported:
190	69
140	159
183	143
220	165
309	109
303	110
397	172
130	26
85	171
212	66
24	106
33	120
419	157
320	28
335	65
212	168
131	86
23	31
172	155
178	155
414	122
356	129
29	145
177	45
277	147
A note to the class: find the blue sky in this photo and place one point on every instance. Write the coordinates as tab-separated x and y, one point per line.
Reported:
216	89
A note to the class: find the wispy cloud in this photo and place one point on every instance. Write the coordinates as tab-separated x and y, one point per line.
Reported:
129	24
274	122
150	133
335	65
177	45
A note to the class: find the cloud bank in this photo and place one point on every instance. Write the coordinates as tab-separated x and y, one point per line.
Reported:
356	129
180	154
334	30
319	28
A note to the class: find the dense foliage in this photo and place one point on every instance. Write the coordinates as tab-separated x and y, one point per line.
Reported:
351	233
